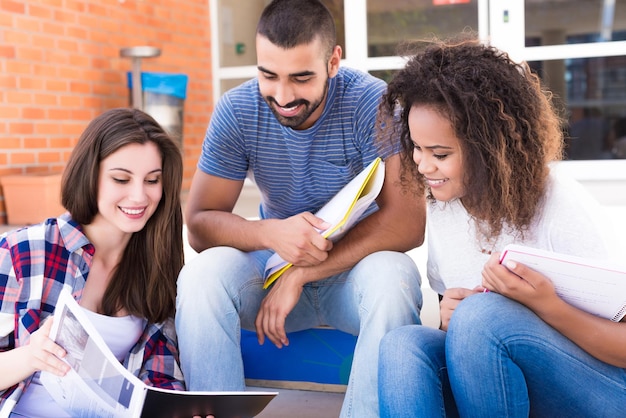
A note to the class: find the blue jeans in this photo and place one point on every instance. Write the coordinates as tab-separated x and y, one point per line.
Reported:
220	291
503	361
413	380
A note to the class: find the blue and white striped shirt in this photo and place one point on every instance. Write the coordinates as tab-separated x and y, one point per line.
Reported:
295	170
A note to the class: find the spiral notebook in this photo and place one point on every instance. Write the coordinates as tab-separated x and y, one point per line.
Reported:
595	286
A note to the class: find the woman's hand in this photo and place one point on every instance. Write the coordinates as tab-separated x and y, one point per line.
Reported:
519	282
451	299
44	354
41	353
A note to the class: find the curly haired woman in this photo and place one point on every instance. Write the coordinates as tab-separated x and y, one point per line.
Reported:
480	133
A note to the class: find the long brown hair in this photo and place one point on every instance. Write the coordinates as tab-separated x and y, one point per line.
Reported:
144	282
504	119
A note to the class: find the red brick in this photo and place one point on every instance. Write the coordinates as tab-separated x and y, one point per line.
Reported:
49	157
20	128
11	142
7	51
18	97
35	143
45	99
33	113
40	11
47	128
22	158
8	81
12	6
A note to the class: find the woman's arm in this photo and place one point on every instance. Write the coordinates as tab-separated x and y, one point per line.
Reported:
602	338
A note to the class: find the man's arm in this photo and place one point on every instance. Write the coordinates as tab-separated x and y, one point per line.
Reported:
211	223
398	225
208	211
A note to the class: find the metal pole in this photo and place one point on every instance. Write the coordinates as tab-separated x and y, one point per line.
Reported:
136	53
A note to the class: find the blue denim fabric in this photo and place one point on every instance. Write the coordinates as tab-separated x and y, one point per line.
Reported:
503	361
220	291
413	380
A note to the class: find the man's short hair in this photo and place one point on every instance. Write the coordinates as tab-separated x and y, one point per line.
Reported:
290	23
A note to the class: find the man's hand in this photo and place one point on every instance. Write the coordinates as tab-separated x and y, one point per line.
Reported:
298	241
278	303
451	299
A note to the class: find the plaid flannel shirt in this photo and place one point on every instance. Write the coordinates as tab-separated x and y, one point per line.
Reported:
36	264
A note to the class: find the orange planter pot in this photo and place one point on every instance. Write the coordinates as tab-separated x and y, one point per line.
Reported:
31	198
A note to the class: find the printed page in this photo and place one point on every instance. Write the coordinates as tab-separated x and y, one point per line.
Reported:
342	211
97	384
595	286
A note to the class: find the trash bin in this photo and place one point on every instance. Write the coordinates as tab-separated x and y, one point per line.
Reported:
163	99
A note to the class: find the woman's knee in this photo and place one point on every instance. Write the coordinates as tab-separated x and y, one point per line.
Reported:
488	317
416	344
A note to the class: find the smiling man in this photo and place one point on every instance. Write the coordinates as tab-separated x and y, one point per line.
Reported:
302	129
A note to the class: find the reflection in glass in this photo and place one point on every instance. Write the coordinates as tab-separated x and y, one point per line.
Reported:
559	22
592	94
390	22
228	84
385	75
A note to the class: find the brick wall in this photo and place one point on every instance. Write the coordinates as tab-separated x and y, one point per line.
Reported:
60	67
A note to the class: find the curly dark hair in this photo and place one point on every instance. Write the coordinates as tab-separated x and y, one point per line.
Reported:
505	121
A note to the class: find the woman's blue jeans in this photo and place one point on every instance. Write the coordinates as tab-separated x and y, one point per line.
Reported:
504	361
413	380
499	360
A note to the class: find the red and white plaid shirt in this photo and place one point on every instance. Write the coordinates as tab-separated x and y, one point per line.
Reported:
36	264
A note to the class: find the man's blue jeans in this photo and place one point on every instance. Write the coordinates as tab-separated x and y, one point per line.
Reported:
220	291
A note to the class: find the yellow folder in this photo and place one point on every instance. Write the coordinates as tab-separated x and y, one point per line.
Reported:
342	212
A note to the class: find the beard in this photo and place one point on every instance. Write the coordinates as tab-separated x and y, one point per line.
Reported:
308	109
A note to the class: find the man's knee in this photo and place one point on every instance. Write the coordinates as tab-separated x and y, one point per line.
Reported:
389	272
208	269
389	268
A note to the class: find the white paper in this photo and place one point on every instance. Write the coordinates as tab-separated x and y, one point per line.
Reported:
595	286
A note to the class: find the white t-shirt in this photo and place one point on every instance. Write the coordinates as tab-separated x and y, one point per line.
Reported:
569	222
119	333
